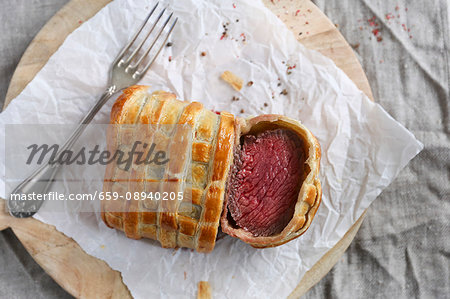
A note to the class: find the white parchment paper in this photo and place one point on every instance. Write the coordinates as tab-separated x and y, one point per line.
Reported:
363	148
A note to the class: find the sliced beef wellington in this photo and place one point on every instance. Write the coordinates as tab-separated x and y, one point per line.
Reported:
257	178
273	189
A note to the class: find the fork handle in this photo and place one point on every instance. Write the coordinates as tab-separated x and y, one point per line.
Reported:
88	118
41	179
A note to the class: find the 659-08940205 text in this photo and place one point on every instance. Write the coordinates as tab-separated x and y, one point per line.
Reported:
58	196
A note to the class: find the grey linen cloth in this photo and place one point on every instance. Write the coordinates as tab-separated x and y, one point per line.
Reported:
403	247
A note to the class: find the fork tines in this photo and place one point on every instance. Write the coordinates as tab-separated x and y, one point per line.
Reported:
157	35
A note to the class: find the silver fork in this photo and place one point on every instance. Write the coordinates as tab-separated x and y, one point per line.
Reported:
126	70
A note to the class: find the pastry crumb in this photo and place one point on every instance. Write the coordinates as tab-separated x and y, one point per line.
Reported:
232	79
204	290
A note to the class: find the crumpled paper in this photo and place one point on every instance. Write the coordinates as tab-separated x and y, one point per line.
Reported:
363	148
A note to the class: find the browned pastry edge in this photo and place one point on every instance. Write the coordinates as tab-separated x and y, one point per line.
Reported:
129	219
213	202
110	219
310	194
204	290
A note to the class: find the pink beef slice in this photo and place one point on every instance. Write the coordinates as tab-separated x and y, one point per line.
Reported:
265	181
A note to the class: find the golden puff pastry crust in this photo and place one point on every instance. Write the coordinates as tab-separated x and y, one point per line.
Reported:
192	222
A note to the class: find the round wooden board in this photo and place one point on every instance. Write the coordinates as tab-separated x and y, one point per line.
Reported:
85	276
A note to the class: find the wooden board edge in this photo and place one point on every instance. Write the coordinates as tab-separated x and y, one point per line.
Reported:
4	216
71	16
327	261
88	277
312	35
53	251
358	76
